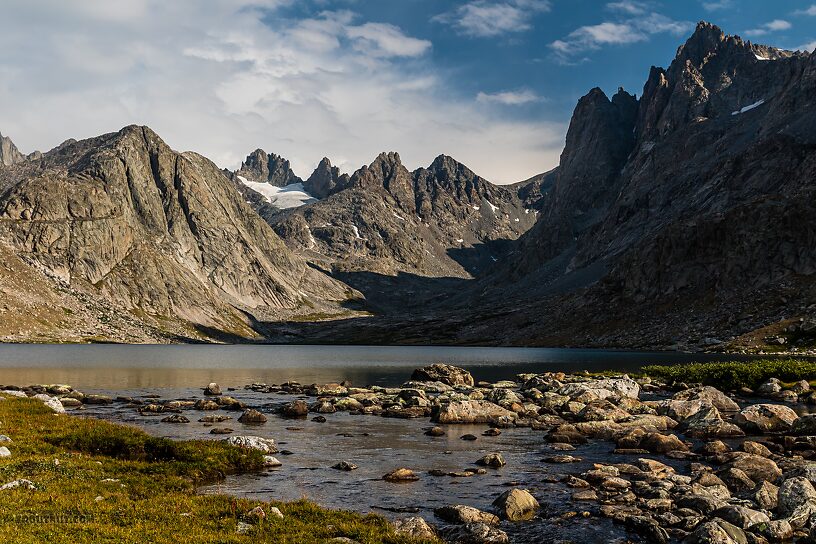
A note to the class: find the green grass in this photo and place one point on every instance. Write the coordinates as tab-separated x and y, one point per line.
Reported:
98	482
733	375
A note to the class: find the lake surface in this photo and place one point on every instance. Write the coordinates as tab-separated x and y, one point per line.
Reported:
179	366
376	444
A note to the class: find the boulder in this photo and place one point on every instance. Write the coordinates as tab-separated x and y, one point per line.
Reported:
766	495
709	396
717	531
475	533
295	409
795	493
472	411
264	445
344	466
447	374
602	389
804	426
213	389
252	417
754	466
765	418
401	475
493	460
51	402
206	404
516	505
414	527
741	516
175	418
707	423
662	443
462	514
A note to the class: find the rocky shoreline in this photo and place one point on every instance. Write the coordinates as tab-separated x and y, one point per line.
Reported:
686	462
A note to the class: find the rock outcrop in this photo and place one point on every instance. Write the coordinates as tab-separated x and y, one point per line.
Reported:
9	154
155	233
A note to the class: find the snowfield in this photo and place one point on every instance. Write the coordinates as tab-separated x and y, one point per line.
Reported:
290	196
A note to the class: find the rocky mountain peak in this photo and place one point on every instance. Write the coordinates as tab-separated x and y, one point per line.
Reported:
325	179
9	154
274	169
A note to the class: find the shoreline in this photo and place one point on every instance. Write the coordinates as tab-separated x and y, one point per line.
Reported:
641	435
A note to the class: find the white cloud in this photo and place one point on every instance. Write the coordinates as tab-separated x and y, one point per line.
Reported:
384	40
225	80
773	26
628	6
809	47
509	98
807	11
487	18
632	30
718	5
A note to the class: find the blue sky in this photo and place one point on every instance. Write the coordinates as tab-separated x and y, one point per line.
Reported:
491	82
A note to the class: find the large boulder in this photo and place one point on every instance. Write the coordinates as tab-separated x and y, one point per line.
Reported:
710	396
764	418
603	389
804	426
472	411
447	374
51	402
475	533
461	513
757	468
717	531
707	423
414	527
516	505
796	493
264	445
252	417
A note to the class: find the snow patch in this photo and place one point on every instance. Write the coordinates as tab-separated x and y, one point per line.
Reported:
290	196
356	232
760	57
749	107
477	208
492	207
516	219
398	217
459	240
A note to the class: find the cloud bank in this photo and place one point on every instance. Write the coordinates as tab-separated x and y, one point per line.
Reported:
239	74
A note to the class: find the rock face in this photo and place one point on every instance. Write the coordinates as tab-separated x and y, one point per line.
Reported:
274	169
9	154
443	220
698	196
158	235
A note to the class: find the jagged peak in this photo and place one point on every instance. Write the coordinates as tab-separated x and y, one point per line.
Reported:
450	166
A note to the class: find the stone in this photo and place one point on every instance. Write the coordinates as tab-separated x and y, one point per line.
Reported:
414	527
271	462
737	480
175	418
472	411
660	443
717	531
214	419
707	423
766	495
295	409
462	514
206	404
255	515
21	483
69	402
709	396
252	417
769	388
213	389
345	466
741	516
447	374
755	448
475	533
222	430
435	431
755	467
52	403
4	452
492	460
264	445
491	432
401	475
97	399
804	425
766	418
516	505
603	388
795	493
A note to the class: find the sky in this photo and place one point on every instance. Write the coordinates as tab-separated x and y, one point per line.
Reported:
490	82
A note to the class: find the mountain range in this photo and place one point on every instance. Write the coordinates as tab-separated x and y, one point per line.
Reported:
683	218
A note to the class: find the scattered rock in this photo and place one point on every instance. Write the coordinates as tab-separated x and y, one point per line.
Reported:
516	505
252	417
447	374
493	460
401	475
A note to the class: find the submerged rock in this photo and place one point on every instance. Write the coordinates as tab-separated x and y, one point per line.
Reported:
401	475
